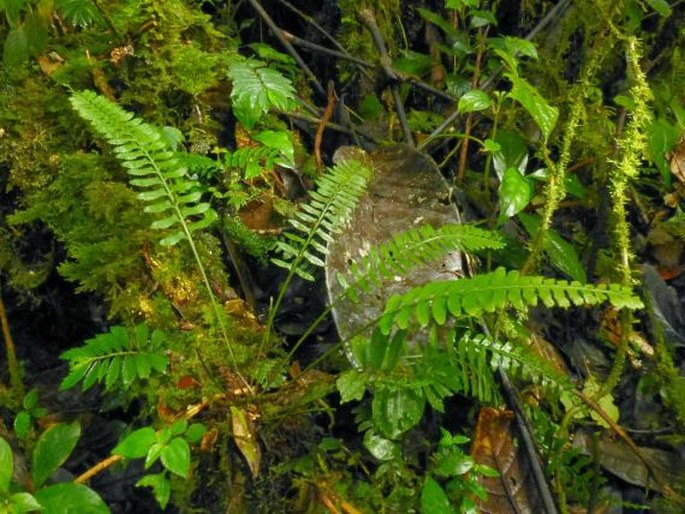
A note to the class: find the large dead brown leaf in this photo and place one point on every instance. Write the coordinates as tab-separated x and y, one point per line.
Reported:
407	190
515	490
621	460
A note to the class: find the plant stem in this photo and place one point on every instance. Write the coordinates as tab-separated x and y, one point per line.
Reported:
16	382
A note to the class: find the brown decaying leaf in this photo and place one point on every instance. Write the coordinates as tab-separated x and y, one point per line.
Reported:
406	191
676	160
515	490
619	459
245	438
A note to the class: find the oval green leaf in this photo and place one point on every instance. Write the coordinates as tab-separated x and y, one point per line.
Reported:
53	448
515	192
136	444
68	498
474	100
6	466
176	457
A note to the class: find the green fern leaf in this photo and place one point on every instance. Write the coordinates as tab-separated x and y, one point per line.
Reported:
80	13
412	249
493	291
257	88
117	357
330	207
153	166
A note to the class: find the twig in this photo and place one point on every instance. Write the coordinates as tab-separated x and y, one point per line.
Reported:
284	41
330	125
469	119
554	12
322	49
369	20
16	382
318	27
322	126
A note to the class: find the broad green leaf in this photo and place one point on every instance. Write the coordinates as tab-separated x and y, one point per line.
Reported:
279	140
351	385
31	399
661	6
482	18
438	21
16	49
22	424
23	502
532	101
513	152
176	457
562	254
136	444
516	45
474	100
52	449
381	448
515	192
161	487
6	466
434	500
70	498
153	454
195	432
396	410
452	463
245	439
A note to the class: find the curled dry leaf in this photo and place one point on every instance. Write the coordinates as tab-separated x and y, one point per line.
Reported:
515	490
245	438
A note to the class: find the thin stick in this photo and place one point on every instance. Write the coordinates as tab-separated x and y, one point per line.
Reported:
322	126
369	20
12	363
555	11
284	41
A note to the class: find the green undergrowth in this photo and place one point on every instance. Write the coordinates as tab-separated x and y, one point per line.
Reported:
158	153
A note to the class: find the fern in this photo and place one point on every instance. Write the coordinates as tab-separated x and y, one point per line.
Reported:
148	155
516	361
141	149
492	291
412	249
331	205
80	13
252	161
256	89
117	357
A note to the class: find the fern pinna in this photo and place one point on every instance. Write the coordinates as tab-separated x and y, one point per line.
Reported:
117	357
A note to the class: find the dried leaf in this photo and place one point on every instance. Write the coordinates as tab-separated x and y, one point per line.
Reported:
676	160
245	439
620	460
515	490
406	190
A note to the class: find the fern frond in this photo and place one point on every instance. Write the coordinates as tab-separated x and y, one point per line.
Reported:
152	164
468	367
336	195
492	291
256	89
252	161
117	357
518	362
412	249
